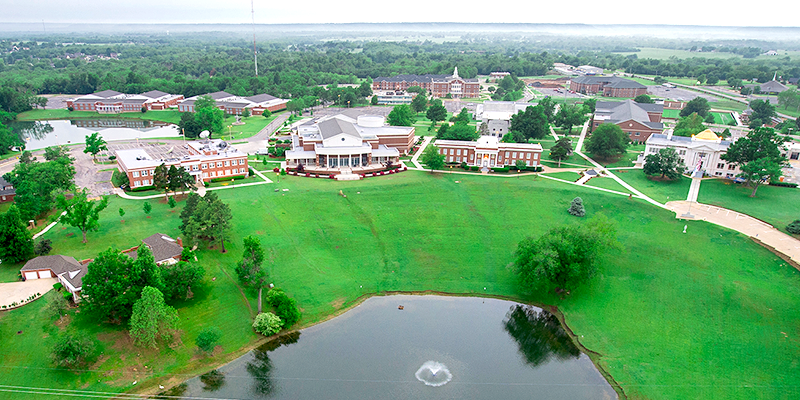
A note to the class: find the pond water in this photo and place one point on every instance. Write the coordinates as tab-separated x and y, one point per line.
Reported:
435	348
41	134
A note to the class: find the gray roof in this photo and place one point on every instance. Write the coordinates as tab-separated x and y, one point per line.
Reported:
260	98
5	187
334	126
627	110
107	93
219	95
611	81
411	78
154	94
134	100
163	246
654	108
773	87
71	269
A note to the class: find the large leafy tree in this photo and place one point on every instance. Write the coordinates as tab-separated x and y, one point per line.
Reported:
569	116
643	99
73	351
607	141
37	184
250	270
561	150
114	282
548	106
401	115
459	131
688	126
789	98
531	123
95	144
180	278
207	219
8	140
666	162
436	112
161	179
419	103
55	152
759	143
151	318
432	158
762	114
82	213
697	105
207	115
760	170
189	126
564	256
16	244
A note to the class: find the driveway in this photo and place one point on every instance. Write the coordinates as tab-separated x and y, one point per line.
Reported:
17	292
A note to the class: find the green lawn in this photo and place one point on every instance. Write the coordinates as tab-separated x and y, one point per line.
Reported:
606	183
660	191
723	118
668	113
566	175
700	315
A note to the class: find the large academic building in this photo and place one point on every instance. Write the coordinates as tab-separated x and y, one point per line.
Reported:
638	120
235	105
706	146
608	86
113	102
437	85
488	152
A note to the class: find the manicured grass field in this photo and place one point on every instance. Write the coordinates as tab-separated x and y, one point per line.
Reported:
606	183
702	315
660	191
723	118
674	114
566	175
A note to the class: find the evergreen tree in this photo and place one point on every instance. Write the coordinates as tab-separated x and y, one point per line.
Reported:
16	244
249	270
576	207
151	317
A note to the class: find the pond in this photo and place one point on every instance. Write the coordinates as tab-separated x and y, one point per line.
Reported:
436	347
40	134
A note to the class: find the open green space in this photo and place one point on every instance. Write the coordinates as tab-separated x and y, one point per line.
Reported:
660	191
723	118
669	113
606	183
566	175
665	54
703	315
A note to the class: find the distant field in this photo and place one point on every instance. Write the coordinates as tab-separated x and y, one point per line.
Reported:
663	54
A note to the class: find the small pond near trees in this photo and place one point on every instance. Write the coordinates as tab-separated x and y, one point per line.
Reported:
40	134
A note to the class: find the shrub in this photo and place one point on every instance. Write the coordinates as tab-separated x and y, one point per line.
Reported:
43	247
794	227
172	203
57	286
227	178
784	184
250	172
112	158
72	351
474	168
501	169
576	208
70	108
276	169
267	324
208	338
285	307
118	178
267	113
142	188
283	171
464	165
144	109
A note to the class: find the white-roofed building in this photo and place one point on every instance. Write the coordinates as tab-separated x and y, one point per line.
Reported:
497	115
235	105
339	142
113	102
705	146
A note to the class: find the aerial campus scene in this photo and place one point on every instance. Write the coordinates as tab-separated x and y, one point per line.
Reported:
246	200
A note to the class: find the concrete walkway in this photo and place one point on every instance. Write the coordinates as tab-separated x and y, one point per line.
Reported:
415	159
48	227
742	223
17	292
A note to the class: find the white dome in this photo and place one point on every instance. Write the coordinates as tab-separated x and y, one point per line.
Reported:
370	121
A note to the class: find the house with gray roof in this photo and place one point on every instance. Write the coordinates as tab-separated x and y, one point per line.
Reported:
771	87
7	191
608	86
68	271
166	250
638	120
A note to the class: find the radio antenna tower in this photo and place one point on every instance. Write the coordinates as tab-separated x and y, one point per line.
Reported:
255	52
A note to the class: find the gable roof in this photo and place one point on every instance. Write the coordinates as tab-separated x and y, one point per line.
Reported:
260	98
773	87
66	267
610	81
162	246
334	126
219	95
154	94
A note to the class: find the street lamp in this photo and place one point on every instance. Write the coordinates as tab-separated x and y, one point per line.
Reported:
230	135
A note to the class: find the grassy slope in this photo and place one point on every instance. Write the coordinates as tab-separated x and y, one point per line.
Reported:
694	315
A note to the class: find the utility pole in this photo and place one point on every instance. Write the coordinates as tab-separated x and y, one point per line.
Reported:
255	53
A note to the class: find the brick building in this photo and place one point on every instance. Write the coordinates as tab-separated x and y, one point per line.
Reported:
638	120
113	102
608	86
7	191
489	152
437	85
235	105
207	159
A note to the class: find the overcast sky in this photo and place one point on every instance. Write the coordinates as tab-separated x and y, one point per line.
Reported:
676	12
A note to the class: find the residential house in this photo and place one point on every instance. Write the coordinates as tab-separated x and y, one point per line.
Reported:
7	191
68	271
638	120
166	250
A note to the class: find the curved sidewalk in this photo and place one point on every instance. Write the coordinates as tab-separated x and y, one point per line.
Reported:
743	223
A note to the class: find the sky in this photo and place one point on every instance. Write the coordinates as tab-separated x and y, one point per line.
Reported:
677	12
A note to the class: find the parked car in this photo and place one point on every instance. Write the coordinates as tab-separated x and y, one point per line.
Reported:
262	152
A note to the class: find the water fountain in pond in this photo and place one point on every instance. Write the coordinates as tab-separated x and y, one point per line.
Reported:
433	373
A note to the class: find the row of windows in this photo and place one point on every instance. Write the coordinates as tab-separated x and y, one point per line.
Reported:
219	164
213	174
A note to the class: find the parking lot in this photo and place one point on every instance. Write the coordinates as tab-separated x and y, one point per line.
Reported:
677	93
563	93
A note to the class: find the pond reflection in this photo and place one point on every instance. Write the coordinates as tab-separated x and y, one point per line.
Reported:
31	129
539	335
212	381
260	368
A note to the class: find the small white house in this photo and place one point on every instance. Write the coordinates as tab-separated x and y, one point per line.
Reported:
68	271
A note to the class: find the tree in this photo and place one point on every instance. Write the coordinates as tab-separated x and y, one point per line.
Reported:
688	126
561	150
709	119
249	270
576	207
172	203
548	106
26	157
734	82
419	103
459	131
174	181
57	306
161	178
643	99
146	207
789	98
16	244
267	113
589	106
760	170
759	143
38	183
436	112
432	158
43	247
180	278
189	126
513	137
463	116
245	113
564	256
416	89
207	115
209	219
52	153
208	338
285	307
531	123
666	162
520	165
115	281
82	213
121	214
712	79
401	115
374	100
267	324
697	105
151	318
762	113
73	351
569	116
94	145
794	227
607	141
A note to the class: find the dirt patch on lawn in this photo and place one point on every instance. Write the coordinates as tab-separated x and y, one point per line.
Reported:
338	303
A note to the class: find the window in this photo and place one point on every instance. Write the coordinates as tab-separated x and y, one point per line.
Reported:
203	166
241	161
194	167
637	134
219	164
731	166
458	159
514	154
682	152
720	165
451	153
135	174
241	170
227	163
136	183
458	152
528	156
144	173
205	174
